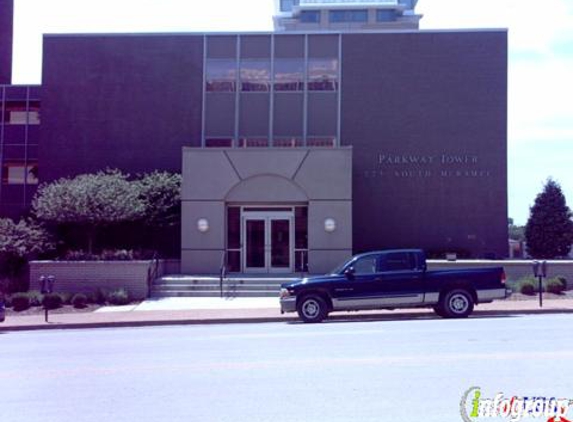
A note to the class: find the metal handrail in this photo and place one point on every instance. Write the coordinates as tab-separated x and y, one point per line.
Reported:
222	272
153	271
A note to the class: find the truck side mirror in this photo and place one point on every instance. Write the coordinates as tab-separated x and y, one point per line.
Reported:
349	273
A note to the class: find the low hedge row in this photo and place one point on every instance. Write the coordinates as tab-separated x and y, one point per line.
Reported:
24	300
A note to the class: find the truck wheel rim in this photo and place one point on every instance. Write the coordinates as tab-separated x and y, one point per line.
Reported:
310	308
459	303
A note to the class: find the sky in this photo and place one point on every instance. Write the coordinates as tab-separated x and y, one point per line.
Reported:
540	89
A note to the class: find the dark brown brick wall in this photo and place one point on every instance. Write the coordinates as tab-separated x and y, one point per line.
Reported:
438	97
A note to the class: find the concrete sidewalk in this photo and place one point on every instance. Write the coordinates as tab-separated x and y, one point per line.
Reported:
178	311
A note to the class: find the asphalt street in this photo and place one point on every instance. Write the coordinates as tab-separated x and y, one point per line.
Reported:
336	371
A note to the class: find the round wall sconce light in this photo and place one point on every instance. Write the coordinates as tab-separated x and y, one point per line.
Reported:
202	225
329	225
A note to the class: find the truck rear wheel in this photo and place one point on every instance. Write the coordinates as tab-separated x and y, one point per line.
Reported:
456	303
312	308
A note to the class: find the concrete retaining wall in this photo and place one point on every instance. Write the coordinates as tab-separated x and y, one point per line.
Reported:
88	276
514	270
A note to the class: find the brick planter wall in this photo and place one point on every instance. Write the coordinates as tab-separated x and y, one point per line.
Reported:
88	276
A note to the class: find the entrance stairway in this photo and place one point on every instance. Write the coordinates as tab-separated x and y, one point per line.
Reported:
239	285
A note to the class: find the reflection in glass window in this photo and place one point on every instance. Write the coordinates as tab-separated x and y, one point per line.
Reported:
348	16
19	173
321	141
287	142
322	74
287	5
365	265
310	16
400	262
15	113
218	142
385	15
220	75
289	74
253	142
255	75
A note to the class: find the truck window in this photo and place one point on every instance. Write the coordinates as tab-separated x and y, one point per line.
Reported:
399	261
365	265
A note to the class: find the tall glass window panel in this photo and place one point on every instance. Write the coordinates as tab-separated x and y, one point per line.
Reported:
321	141
322	74
289	74
221	75
385	15
19	173
218	142
337	16
255	75
254	142
287	142
310	16
34	113
287	5
15	113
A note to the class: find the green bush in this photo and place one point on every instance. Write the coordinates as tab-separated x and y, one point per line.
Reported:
66	297
528	286
79	301
554	285
563	281
20	301
99	296
52	301
35	297
118	297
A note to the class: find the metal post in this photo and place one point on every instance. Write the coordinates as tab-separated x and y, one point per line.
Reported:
540	291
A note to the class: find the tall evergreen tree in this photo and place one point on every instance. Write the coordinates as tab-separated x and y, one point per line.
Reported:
549	230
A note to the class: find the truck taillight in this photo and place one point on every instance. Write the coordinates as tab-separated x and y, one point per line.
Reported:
503	278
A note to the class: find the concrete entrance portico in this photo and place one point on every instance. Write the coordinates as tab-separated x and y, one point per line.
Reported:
264	208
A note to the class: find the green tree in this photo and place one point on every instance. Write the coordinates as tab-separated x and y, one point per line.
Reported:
549	230
19	243
89	202
515	232
161	196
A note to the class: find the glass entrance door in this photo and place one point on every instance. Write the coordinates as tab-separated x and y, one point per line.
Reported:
268	245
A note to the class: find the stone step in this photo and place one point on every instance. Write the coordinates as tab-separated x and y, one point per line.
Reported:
213	293
203	281
192	287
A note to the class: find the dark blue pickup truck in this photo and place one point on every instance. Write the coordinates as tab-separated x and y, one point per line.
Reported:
393	279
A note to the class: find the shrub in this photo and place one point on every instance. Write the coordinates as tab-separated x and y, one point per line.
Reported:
66	297
118	297
35	297
52	301
20	302
554	285
527	287
99	296
116	255
563	281
79	301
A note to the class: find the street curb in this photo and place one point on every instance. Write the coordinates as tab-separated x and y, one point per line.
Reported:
348	317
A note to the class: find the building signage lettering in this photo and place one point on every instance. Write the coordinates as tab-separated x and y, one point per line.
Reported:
426	166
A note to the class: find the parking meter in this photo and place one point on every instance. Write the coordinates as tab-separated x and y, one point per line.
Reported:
47	286
535	268
544	268
540	271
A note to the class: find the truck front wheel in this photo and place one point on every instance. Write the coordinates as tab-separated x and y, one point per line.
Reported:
312	308
457	303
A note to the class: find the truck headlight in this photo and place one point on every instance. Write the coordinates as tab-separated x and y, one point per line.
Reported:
284	293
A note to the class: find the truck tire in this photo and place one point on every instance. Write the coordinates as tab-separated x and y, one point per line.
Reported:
312	308
456	303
